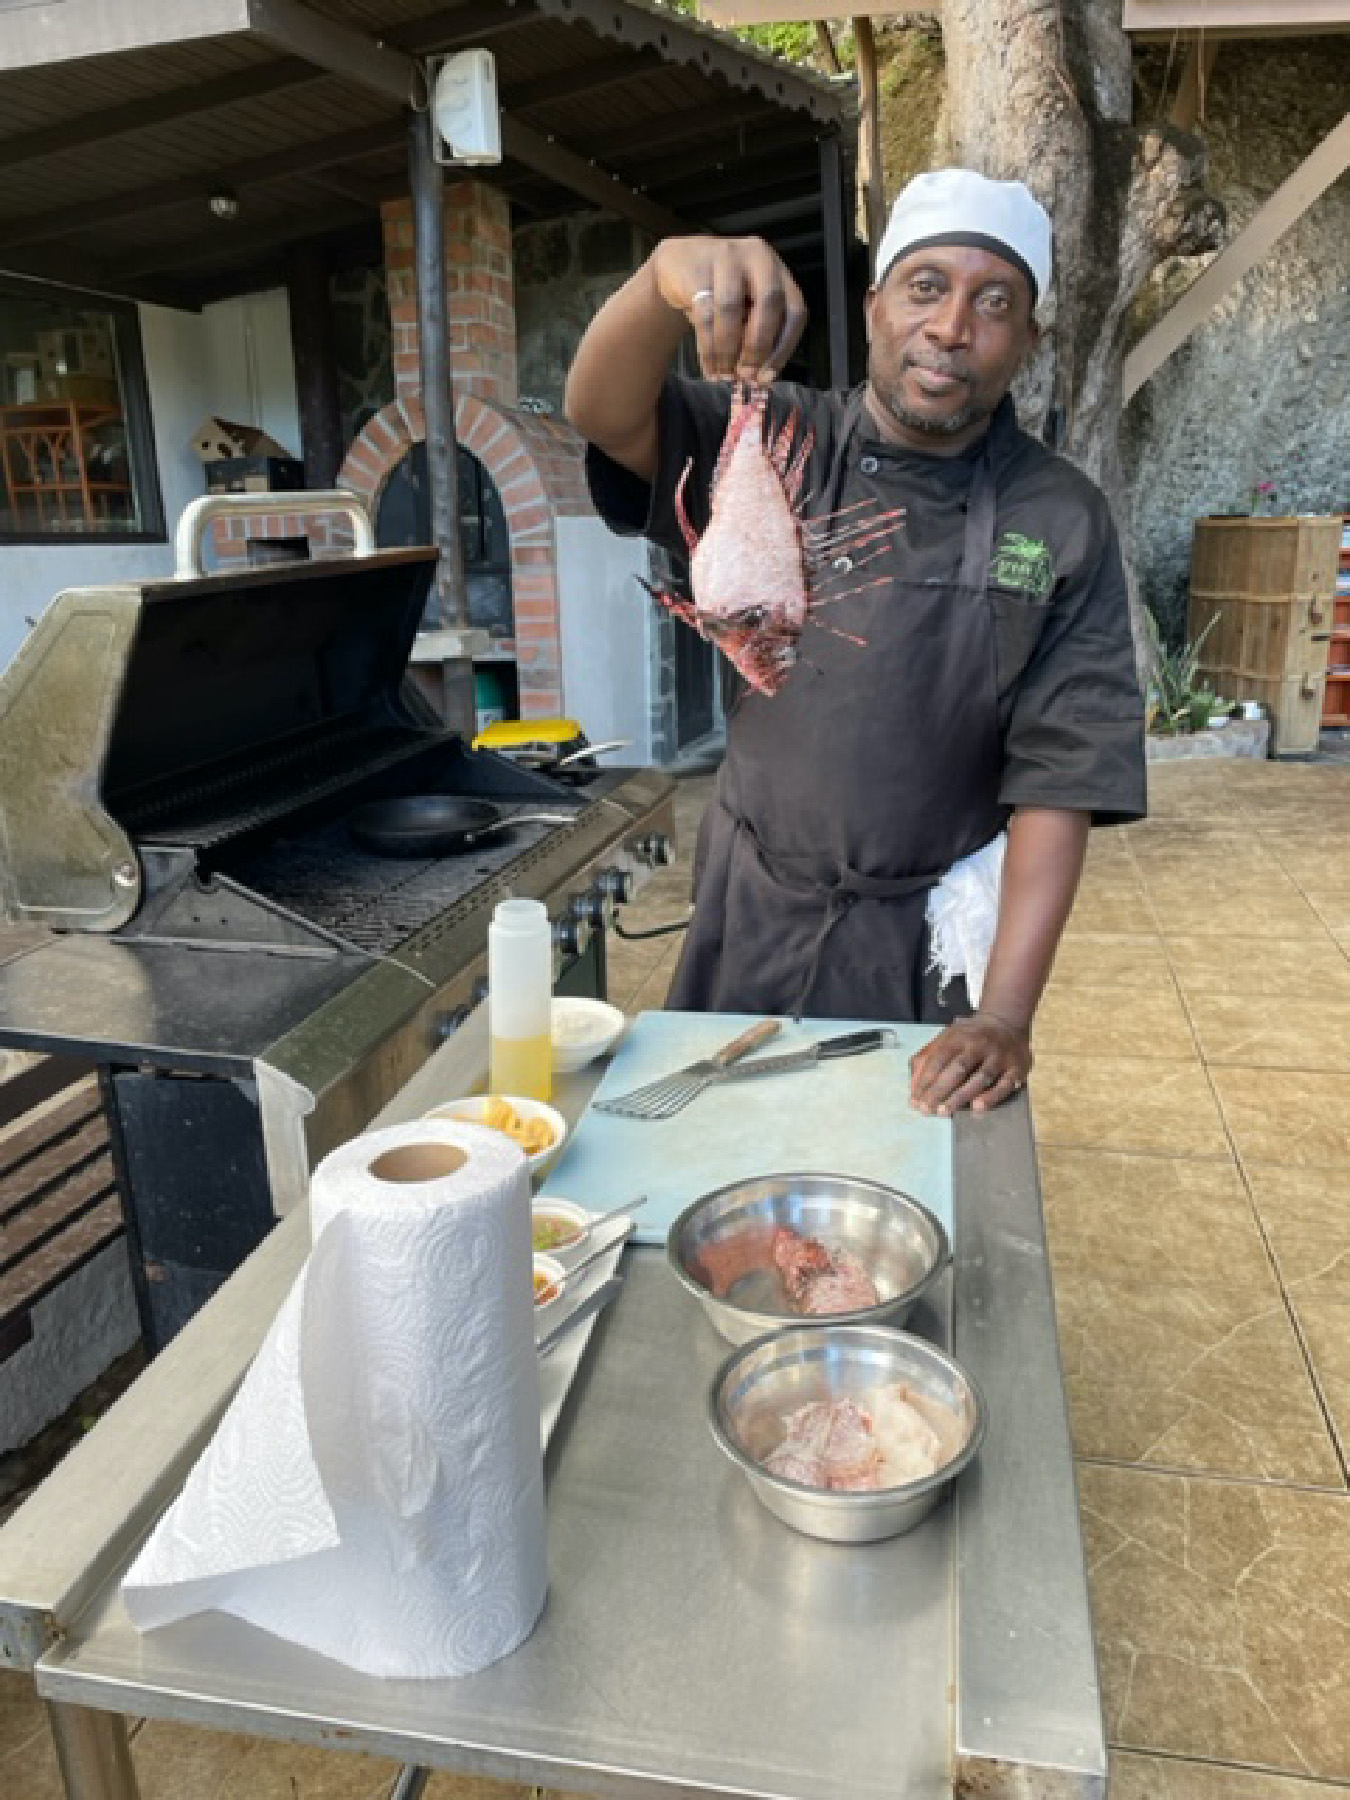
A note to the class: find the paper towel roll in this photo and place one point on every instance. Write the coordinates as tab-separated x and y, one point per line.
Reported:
375	1490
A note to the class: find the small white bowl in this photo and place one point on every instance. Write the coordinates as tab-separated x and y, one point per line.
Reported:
583	1030
472	1108
547	1269
567	1211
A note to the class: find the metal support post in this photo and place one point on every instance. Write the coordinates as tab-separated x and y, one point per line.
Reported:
450	609
836	263
92	1753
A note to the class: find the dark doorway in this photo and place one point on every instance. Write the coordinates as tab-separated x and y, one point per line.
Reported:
404	518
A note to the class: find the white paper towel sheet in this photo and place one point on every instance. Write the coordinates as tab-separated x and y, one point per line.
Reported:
375	1490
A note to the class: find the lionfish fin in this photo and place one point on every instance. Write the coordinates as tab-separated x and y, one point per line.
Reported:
687	531
673	603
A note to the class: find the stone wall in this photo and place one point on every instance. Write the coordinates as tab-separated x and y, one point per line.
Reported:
565	271
363	346
1261	391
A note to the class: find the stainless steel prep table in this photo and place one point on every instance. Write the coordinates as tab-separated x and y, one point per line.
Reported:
691	1644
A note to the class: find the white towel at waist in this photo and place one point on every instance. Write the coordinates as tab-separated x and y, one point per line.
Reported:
963	915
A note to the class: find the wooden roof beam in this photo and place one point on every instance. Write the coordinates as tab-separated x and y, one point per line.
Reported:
455	26
277	165
1284	208
155	109
568	169
576	79
762	147
340	49
547	156
759	219
186	256
697	121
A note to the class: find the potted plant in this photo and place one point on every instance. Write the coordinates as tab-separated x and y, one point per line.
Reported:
1185	716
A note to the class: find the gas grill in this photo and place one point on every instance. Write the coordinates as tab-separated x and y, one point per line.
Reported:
186	910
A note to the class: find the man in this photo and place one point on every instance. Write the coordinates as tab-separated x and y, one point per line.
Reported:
978	679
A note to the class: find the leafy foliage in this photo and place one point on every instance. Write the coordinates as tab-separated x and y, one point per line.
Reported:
1179	700
793	42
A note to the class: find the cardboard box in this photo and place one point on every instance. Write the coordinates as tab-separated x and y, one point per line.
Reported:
76	352
221	440
255	475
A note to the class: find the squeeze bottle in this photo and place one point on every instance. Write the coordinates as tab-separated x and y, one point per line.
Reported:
520	992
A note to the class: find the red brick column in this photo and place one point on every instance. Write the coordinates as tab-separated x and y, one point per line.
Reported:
480	294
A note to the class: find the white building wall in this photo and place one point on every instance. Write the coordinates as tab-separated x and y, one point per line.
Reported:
605	626
249	361
232	359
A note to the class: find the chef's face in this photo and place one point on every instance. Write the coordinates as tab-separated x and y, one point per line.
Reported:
948	329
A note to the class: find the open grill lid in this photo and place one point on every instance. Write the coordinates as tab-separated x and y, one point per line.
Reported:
182	712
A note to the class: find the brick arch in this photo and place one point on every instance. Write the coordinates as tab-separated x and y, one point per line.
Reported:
537	465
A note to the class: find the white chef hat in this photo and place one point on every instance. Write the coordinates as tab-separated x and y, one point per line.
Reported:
957	206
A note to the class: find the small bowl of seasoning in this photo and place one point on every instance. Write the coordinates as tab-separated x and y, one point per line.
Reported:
581	1030
560	1228
549	1275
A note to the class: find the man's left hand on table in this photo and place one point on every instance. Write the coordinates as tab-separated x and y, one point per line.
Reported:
977	1062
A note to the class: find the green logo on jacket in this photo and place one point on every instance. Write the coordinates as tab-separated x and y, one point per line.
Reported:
1024	565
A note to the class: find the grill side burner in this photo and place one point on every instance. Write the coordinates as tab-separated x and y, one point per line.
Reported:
188	911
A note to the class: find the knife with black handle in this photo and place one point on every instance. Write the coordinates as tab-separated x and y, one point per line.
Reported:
852	1043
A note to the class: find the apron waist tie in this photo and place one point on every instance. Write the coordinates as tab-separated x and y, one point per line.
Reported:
839	895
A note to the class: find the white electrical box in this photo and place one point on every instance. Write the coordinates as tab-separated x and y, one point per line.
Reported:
464	108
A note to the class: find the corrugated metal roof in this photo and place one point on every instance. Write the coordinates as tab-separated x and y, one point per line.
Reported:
108	169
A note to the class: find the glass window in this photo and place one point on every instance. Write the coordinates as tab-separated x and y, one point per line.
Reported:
76	452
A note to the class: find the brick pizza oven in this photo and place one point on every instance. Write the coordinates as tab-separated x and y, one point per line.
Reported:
536	462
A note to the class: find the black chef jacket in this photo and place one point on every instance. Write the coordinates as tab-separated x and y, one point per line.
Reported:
1040	669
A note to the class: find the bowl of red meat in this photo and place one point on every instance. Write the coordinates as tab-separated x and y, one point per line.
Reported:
781	1250
850	1433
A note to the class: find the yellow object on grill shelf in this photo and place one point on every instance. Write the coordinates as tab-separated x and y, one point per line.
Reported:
536	737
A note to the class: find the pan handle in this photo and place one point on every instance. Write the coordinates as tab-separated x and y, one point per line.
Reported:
577	756
322	504
475	832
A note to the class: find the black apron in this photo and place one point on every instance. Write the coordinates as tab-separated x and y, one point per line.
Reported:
845	797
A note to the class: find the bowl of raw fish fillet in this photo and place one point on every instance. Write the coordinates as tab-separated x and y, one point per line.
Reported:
850	1433
810	1249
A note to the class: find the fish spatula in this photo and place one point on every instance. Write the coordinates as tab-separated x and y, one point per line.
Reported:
659	1099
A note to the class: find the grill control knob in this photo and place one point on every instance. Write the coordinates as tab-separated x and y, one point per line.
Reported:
618	884
571	935
656	850
594	908
446	1024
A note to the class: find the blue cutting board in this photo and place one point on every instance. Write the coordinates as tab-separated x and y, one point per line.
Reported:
845	1117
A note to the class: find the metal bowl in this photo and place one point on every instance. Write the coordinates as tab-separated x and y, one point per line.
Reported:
762	1382
897	1240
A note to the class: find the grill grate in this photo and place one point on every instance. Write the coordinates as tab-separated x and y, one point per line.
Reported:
375	902
225	805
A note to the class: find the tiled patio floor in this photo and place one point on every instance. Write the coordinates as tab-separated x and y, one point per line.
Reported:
1192	1110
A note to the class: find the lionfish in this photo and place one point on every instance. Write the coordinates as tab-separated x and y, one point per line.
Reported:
762	569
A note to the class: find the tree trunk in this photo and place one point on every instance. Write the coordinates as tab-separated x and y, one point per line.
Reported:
869	134
1041	90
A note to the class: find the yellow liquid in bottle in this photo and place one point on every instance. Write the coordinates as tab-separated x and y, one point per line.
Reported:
521	1066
